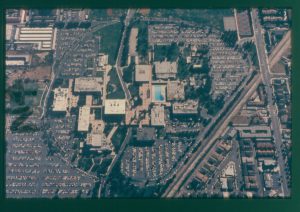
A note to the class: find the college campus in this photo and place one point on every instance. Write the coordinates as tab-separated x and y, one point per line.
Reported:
168	103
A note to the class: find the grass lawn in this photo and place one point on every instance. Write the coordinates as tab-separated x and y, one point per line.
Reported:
209	17
114	87
110	39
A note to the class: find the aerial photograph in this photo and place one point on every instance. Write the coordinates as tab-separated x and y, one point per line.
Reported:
148	103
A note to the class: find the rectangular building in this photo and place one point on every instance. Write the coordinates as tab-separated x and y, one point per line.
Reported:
258	131
133	41
88	84
158	116
84	119
143	73
115	106
60	102
175	90
145	134
189	107
229	23
165	69
41	38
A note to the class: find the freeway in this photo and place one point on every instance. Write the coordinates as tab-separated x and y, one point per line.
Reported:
186	169
214	132
265	73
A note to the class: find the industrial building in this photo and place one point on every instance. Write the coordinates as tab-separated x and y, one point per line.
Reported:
165	69
60	102
42	38
84	119
143	73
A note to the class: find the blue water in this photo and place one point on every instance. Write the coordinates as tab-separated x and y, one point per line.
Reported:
157	93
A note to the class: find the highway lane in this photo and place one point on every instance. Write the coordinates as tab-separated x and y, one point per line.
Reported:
214	132
185	169
265	73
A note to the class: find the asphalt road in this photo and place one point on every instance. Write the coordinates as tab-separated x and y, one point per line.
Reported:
116	158
280	48
129	16
265	73
214	131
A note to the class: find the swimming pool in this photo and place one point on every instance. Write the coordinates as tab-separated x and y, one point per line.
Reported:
159	93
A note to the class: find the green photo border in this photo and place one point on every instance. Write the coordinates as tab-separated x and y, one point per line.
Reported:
225	205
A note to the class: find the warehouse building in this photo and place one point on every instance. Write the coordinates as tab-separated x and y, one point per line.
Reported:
41	38
84	119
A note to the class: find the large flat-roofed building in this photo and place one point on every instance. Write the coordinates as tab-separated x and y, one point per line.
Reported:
60	102
143	73
98	142
165	69
229	23
175	90
244	23
9	32
84	119
14	62
115	106
41	38
133	41
145	134
17	60
158	116
188	107
88	84
258	131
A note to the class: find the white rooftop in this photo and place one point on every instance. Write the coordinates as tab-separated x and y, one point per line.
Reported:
114	106
84	119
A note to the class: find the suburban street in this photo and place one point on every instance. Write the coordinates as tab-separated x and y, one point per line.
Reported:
265	73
